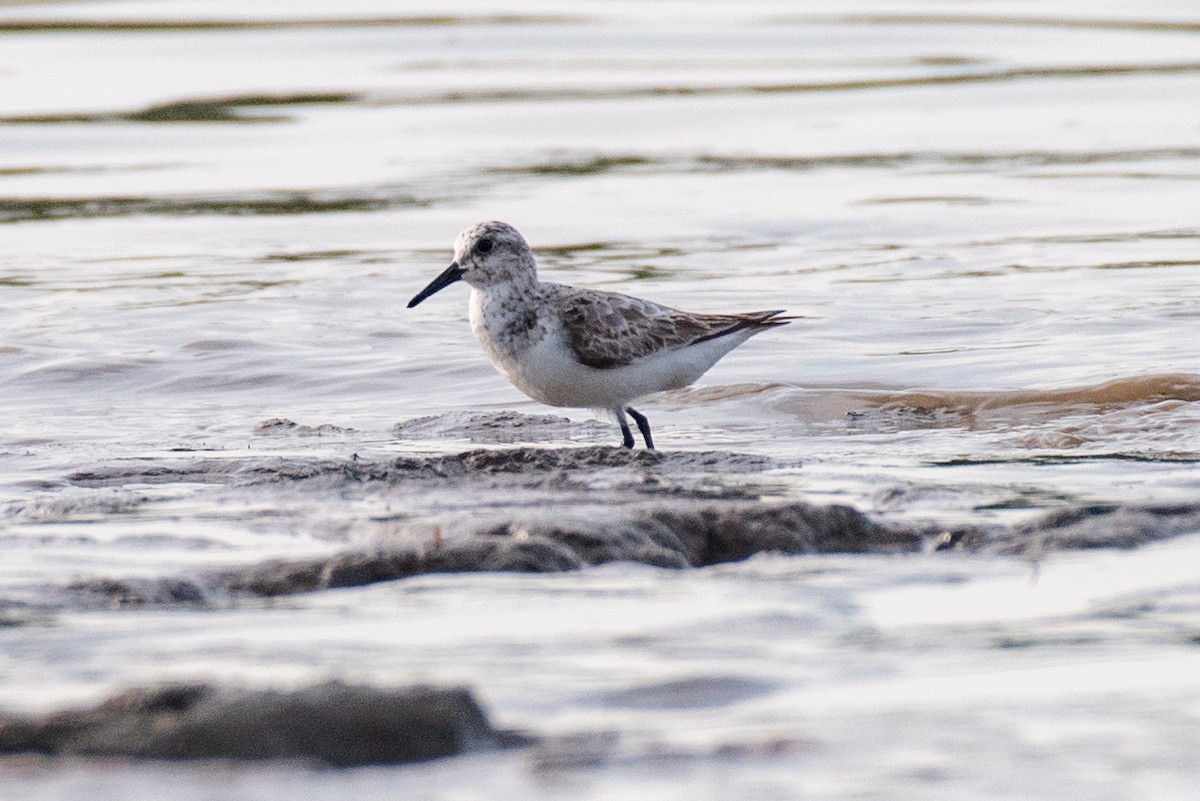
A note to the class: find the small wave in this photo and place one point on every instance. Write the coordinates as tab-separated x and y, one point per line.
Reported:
693	692
717	393
1133	414
1151	389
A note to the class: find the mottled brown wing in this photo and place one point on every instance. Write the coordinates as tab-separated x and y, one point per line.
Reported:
607	330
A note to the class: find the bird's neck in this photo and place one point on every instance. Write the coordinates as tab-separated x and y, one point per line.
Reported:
505	317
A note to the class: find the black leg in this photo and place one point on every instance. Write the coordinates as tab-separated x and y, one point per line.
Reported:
643	425
626	434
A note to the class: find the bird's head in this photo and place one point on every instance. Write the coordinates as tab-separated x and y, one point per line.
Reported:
487	254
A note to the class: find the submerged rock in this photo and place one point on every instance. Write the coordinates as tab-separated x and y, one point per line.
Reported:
124	593
557	509
1097	526
668	535
330	724
673	536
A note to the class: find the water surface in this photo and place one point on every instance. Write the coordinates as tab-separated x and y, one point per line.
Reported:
213	214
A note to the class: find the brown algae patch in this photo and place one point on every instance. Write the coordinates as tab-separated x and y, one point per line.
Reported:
907	409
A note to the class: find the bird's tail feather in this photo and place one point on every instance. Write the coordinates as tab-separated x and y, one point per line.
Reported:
755	321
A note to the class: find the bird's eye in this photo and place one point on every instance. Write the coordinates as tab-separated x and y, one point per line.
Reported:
484	246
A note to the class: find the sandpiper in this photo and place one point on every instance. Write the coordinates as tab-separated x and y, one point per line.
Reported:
585	348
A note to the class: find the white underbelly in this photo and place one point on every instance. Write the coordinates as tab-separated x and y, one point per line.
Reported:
549	373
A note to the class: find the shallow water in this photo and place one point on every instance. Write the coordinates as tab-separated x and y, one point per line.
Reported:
985	218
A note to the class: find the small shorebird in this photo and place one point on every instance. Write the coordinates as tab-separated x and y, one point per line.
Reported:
585	348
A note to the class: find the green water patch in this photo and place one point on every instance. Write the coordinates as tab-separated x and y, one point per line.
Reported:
147	25
1028	498
1142	265
232	108
951	200
970	76
229	109
994	20
644	272
1020	158
588	164
1137	235
623	260
611	250
201	25
20	172
357	256
593	165
569	251
14	210
238	108
1166	457
985	76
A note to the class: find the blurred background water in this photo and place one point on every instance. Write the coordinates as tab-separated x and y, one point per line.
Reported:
985	214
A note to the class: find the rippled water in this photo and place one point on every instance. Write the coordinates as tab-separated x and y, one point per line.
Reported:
985	216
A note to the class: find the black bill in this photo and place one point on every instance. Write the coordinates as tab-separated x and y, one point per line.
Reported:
448	277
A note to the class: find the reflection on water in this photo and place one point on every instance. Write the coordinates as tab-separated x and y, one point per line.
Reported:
985	219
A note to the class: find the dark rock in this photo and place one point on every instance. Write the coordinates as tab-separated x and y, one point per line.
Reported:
357	569
274	577
331	724
122	593
1097	526
669	536
532	555
465	556
672	537
728	533
666	535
